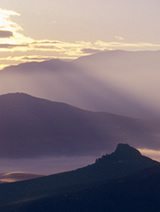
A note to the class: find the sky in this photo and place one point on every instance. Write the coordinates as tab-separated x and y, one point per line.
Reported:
35	30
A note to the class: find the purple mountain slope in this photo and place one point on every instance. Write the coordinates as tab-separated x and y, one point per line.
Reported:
119	82
32	127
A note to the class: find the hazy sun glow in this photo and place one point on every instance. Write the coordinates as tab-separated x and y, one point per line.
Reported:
5	22
17	47
154	154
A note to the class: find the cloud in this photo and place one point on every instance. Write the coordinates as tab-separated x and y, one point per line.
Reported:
5	34
47	42
14	43
6	22
9	46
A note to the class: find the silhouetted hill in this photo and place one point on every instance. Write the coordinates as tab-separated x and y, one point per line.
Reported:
125	152
137	193
100	183
31	127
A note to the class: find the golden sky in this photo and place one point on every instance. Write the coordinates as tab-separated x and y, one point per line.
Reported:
40	30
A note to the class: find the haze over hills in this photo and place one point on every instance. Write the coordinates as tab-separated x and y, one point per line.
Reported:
16	176
119	82
79	106
96	187
32	127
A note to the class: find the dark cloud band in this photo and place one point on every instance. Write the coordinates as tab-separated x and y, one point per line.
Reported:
5	34
10	46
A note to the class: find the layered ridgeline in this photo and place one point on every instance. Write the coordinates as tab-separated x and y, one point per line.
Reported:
125	180
118	82
32	127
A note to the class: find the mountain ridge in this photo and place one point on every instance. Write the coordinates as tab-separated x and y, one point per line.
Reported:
97	83
28	122
101	177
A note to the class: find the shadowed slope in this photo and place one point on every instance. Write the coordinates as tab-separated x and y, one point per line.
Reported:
49	192
32	127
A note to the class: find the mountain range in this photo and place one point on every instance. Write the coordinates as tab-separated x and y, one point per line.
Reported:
34	127
124	181
82	108
119	82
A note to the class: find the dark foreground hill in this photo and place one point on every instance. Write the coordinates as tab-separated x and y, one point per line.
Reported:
122	181
139	193
31	127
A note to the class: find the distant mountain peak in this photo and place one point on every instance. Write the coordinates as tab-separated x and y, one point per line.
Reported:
123	152
126	151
